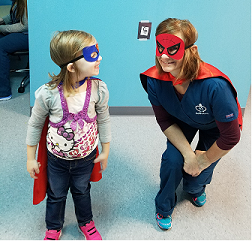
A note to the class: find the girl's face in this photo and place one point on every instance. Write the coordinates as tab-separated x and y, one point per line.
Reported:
169	64
86	68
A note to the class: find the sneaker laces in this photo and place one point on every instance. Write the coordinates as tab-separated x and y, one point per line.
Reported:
159	216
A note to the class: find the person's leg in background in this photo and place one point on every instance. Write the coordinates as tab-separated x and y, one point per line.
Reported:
8	44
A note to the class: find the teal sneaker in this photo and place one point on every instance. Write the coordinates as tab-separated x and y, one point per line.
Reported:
164	223
200	201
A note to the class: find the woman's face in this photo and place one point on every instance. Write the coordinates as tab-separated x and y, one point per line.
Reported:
169	64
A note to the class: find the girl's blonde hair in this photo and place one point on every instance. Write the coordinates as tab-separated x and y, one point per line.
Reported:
64	46
191	60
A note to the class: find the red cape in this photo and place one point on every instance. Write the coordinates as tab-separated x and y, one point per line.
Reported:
206	71
40	184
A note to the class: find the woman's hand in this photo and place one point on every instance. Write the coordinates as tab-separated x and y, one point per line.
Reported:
2	21
33	168
202	160
191	165
195	164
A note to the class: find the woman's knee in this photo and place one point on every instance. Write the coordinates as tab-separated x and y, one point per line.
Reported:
171	166
172	158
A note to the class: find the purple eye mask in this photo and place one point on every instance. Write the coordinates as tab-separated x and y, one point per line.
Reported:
89	53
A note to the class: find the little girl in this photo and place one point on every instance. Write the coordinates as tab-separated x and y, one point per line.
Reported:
77	105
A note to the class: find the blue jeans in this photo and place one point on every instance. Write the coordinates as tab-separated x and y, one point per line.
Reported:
171	170
8	44
62	175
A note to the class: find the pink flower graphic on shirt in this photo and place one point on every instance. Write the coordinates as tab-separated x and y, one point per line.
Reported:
75	153
92	139
85	147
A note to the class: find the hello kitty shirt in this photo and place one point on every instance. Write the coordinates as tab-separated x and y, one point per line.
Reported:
74	122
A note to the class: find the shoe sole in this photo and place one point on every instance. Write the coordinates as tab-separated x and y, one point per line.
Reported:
5	98
164	229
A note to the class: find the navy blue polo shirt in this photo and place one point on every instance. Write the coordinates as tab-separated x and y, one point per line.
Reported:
204	102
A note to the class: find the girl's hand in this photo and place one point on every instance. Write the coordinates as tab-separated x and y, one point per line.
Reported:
33	168
103	159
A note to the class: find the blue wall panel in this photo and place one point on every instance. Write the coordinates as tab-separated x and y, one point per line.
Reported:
224	39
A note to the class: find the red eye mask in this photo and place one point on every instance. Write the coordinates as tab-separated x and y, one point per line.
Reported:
170	45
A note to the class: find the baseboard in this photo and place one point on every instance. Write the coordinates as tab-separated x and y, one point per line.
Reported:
131	110
243	109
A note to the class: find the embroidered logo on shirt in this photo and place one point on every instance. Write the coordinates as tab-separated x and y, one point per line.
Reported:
229	116
201	109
